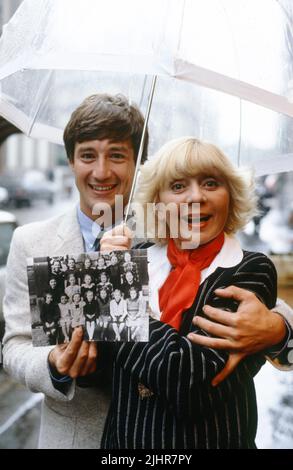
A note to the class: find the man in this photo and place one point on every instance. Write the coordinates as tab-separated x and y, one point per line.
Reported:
102	141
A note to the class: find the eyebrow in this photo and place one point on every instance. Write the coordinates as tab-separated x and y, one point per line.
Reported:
119	148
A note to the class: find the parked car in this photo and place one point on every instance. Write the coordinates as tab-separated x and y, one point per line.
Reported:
7	226
4	197
38	186
18	196
30	187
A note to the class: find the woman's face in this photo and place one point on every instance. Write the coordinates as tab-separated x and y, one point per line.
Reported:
129	276
101	262
87	279
132	294
71	280
87	263
89	295
71	264
211	211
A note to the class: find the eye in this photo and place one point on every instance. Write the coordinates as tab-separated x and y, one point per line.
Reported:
177	186
210	183
118	156
87	156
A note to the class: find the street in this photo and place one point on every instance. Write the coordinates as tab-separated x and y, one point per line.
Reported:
20	409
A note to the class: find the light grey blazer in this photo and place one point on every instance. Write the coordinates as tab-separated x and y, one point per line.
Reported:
77	419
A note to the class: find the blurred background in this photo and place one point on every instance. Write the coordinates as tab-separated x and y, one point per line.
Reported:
36	183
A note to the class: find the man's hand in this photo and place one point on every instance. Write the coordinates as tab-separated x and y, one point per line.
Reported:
119	238
77	358
249	330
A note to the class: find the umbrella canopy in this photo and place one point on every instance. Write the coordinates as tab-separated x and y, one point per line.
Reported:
209	55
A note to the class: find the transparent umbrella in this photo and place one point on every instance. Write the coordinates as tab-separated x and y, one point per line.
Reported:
222	74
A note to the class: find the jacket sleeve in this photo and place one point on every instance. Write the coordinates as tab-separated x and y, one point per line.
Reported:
281	355
177	370
25	363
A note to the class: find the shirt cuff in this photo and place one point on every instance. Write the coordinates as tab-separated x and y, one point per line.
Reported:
60	382
279	352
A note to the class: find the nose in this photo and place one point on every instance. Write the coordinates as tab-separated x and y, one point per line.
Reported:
101	170
195	193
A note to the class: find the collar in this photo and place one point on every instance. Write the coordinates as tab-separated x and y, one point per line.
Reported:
159	266
89	228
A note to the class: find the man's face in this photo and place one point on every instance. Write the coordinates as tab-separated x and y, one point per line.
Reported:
103	169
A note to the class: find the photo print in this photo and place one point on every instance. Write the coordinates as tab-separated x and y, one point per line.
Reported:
105	293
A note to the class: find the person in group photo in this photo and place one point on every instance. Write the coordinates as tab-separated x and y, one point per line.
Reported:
91	314
114	270
55	289
101	267
56	272
105	332
72	286
118	314
65	318
135	307
129	265
169	379
104	283
87	284
77	311
88	268
128	281
50	316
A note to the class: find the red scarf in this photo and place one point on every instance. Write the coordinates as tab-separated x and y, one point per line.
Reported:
178	292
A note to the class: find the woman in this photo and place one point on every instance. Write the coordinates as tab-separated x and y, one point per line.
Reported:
91	314
162	392
103	299
87	285
135	309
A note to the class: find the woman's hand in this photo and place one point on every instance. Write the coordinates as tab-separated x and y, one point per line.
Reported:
119	238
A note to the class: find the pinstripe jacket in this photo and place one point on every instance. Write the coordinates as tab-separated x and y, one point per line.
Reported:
180	409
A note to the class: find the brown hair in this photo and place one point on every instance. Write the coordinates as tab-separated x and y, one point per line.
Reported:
103	116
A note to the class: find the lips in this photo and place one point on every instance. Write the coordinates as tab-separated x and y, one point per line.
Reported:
102	187
196	219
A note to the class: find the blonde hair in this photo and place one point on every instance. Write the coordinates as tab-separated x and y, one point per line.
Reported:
188	157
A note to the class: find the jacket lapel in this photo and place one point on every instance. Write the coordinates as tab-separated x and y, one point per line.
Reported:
69	238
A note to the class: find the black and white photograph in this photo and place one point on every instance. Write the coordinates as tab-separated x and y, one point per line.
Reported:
105	293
